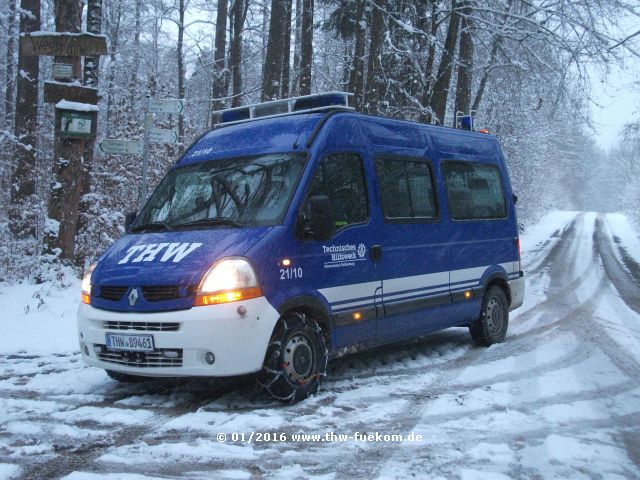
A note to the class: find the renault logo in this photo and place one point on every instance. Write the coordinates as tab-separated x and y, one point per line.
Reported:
133	297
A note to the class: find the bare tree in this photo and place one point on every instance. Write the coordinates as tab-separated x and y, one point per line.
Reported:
356	77
69	172
10	72
22	221
443	78
220	73
306	47
239	13
375	86
465	60
274	60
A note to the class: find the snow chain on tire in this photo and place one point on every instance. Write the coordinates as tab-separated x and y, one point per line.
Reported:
279	377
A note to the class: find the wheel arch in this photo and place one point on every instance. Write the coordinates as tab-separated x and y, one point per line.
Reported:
498	279
313	307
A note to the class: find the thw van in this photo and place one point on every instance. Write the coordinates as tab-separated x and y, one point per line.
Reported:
298	230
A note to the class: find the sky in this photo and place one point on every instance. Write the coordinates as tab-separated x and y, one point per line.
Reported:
616	94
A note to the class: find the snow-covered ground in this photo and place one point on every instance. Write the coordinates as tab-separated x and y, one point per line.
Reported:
560	398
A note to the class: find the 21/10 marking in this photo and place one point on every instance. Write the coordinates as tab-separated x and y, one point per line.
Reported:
290	273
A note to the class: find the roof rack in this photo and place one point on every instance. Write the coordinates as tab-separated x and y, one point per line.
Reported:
288	106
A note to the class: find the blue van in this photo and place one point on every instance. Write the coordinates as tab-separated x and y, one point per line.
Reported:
299	230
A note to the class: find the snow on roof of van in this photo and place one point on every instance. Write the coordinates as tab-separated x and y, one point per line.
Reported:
270	135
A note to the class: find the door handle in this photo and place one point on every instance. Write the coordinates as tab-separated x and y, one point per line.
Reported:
376	253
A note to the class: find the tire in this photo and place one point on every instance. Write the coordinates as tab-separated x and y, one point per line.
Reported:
125	377
296	359
491	326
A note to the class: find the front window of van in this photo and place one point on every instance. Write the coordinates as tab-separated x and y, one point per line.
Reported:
248	191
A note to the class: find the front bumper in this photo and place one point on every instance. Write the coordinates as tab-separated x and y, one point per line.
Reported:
181	339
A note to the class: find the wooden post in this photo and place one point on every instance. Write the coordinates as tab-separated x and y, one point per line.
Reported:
75	124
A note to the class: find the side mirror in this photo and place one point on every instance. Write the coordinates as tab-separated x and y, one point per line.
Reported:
320	222
515	198
129	218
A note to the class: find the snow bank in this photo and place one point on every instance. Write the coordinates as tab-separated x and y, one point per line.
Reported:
39	319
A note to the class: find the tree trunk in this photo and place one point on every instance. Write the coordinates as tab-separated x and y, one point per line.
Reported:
133	82
443	79
219	91
94	25
181	11
10	73
485	75
428	69
286	53
68	164
497	42
375	86
465	61
91	68
306	47
235	54
114	33
272	76
22	218
296	49
356	78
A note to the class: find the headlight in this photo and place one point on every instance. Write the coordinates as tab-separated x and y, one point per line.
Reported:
229	280
86	284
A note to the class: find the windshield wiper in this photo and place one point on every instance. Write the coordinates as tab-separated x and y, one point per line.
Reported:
211	222
152	226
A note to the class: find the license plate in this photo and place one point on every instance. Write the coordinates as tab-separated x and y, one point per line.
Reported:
129	343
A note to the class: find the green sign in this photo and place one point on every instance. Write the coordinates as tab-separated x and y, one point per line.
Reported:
75	124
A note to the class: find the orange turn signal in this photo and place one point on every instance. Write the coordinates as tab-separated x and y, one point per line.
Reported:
227	296
86	299
357	316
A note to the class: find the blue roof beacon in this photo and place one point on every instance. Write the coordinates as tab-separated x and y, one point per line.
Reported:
299	230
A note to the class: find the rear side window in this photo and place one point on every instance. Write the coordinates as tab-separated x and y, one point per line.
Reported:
407	189
474	191
341	177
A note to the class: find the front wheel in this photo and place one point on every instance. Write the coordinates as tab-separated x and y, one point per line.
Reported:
491	326
296	359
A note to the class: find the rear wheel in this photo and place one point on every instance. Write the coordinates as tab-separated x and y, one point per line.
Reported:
125	377
491	326
296	359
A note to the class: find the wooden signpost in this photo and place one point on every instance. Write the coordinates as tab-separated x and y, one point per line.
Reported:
54	44
76	116
56	91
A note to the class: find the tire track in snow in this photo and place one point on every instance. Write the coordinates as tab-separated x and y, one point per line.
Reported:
624	282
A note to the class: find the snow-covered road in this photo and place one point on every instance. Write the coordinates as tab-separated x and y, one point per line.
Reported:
560	398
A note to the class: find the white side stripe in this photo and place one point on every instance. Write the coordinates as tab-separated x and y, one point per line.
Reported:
362	294
417	281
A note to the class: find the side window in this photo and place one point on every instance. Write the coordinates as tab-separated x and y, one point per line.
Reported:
341	178
407	189
474	191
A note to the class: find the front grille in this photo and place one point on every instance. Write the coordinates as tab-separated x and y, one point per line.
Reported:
113	293
160	293
150	293
142	326
153	359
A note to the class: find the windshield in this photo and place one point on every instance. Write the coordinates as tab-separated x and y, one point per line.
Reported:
241	191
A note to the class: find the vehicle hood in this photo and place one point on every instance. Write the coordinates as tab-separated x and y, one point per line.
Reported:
178	258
